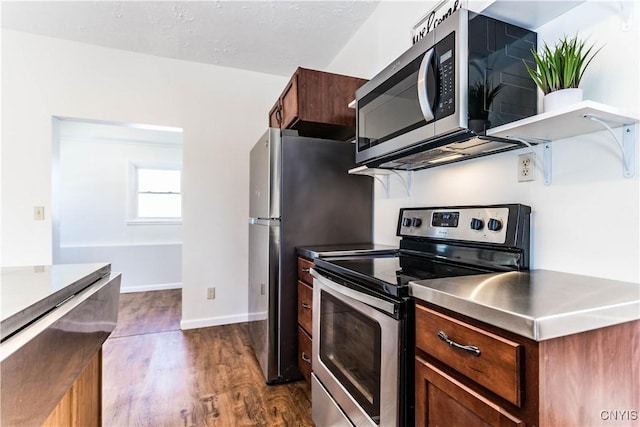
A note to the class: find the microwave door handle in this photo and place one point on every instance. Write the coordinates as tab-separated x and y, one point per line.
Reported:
423	93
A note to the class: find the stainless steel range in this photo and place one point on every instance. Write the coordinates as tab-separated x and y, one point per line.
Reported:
363	325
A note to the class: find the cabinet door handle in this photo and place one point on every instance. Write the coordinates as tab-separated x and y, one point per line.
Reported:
305	306
469	348
279	115
305	358
305	270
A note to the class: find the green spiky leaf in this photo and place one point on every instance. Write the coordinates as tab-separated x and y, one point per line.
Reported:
563	66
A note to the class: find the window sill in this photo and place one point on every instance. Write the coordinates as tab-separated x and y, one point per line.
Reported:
154	221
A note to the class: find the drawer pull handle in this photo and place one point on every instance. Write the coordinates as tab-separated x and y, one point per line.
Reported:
470	348
305	306
306	270
305	358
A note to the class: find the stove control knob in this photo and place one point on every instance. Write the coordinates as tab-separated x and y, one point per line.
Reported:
494	224
406	222
416	222
476	224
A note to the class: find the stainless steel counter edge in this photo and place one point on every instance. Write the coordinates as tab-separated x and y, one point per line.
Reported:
39	307
314	252
39	364
539	304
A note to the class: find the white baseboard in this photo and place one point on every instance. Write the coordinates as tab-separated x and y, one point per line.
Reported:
256	316
146	288
217	321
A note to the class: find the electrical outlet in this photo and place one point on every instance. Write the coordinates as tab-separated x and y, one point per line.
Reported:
211	293
526	167
38	213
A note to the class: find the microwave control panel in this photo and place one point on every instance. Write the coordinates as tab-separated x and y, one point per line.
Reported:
446	67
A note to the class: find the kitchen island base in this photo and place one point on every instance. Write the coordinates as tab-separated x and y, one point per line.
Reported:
82	404
51	364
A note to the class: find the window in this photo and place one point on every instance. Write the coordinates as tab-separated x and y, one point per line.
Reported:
156	194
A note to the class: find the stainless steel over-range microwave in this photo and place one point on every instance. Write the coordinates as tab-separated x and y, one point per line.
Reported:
435	103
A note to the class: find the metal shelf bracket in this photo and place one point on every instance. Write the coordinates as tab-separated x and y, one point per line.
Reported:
383	177
627	145
546	162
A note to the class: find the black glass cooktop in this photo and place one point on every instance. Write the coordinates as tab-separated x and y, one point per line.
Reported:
391	274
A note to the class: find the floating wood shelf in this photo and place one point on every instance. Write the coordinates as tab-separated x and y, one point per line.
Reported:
564	123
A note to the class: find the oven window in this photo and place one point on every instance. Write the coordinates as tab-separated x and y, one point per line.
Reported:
350	348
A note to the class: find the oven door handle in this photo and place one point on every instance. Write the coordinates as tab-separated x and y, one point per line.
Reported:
369	300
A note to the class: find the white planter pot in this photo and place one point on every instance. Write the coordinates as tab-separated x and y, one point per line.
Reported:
561	98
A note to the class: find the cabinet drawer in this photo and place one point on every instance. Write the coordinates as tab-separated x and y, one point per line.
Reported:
304	354
304	265
497	366
305	302
441	400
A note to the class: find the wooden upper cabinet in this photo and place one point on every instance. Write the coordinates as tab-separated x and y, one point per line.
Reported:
275	115
291	106
315	103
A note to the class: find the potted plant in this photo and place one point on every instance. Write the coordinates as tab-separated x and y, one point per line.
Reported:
480	99
560	70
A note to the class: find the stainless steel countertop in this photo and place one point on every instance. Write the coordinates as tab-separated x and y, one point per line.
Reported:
537	304
39	364
345	250
26	293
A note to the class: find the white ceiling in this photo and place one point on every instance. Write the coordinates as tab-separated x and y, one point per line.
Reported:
267	36
92	130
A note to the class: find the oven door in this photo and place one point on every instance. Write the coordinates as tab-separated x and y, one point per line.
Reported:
356	356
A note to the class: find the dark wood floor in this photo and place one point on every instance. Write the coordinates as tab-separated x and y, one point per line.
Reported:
157	375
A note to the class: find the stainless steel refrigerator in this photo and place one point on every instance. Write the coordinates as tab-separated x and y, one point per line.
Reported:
301	195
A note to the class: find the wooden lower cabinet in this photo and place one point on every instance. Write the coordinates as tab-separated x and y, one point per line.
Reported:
305	304
443	401
81	406
590	378
498	366
304	354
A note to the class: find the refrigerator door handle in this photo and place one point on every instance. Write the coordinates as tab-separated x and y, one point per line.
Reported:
264	221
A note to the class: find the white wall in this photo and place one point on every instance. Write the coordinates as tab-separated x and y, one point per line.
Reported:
222	112
91	202
144	267
587	221
95	183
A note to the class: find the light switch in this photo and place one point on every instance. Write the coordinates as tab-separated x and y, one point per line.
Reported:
38	213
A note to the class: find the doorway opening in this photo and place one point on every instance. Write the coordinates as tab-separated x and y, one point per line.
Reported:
116	198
